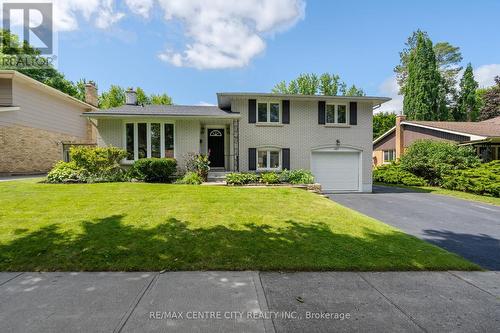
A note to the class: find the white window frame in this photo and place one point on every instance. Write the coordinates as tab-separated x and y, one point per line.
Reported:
148	138
268	118
336	114
269	150
393	155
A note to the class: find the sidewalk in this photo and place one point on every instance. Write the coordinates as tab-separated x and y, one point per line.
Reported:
239	301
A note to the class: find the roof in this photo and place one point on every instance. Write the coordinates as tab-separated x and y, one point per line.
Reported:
224	98
15	75
164	110
476	130
487	129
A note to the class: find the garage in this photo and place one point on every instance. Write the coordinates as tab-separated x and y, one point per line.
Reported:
337	170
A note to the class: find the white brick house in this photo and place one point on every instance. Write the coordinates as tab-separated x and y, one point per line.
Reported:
330	135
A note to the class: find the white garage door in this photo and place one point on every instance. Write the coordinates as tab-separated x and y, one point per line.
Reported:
336	171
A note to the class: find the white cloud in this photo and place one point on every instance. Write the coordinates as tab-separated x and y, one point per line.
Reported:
485	75
140	7
202	103
227	34
101	13
390	88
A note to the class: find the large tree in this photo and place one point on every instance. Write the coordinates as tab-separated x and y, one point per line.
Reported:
491	102
11	46
310	84
468	103
421	91
382	122
448	58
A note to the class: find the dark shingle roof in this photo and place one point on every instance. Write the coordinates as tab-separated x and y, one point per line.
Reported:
488	129
165	110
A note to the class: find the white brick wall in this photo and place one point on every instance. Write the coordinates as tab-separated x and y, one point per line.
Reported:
304	133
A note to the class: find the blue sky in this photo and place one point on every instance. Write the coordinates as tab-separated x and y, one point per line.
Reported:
121	42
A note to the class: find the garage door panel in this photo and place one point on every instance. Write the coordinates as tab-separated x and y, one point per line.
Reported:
336	171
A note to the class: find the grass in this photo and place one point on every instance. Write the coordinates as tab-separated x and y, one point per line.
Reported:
451	193
151	227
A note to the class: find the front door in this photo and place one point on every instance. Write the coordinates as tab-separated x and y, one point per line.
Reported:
216	147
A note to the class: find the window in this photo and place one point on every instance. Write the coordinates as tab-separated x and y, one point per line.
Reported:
268	112
336	114
389	155
142	140
268	159
169	140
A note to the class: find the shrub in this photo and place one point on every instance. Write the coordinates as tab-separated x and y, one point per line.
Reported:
154	170
484	180
190	178
270	178
65	172
394	174
298	176
236	178
431	160
198	163
97	160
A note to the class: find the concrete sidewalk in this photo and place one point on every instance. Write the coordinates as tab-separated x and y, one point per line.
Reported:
250	302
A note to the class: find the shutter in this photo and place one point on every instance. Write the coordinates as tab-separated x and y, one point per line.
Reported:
321	112
353	113
285	114
252	159
285	157
252	111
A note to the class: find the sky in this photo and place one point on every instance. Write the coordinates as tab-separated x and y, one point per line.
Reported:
192	49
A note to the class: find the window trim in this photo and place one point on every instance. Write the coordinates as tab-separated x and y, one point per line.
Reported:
148	138
384	161
268	118
336	114
269	150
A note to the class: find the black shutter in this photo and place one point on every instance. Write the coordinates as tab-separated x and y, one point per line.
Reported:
285	156
252	159
353	113
321	112
252	111
285	114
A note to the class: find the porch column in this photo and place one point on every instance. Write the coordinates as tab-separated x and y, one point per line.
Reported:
236	145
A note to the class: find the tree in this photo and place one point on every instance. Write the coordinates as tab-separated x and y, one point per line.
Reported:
382	122
448	58
491	102
421	91
468	104
115	97
12	46
310	84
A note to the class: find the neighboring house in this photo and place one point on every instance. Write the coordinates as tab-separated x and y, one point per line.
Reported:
37	123
330	135
484	136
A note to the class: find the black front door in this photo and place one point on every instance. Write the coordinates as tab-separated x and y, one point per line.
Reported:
216	147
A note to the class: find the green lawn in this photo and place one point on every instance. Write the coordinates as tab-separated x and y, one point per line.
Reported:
135	226
456	194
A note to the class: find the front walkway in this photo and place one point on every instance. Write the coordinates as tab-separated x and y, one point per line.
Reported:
250	302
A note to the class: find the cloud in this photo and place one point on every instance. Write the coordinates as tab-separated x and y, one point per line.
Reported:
485	75
101	13
227	34
202	103
390	88
140	7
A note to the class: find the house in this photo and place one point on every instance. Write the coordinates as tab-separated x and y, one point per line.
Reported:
484	136
38	123
253	132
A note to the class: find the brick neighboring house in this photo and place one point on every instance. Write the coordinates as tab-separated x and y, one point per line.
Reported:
484	136
38	123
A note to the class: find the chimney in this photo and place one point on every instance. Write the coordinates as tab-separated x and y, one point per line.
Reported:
400	140
91	94
130	97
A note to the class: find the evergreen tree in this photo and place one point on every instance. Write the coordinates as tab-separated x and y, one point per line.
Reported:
421	92
491	102
468	104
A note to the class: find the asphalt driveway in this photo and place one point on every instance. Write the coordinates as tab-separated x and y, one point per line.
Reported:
467	228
